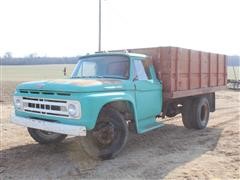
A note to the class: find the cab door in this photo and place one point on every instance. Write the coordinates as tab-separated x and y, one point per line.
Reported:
148	90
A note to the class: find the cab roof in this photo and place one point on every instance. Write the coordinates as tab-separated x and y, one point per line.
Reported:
105	53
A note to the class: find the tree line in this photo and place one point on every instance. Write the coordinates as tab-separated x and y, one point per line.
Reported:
32	59
38	60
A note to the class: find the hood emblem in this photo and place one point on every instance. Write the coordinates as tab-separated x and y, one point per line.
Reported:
40	85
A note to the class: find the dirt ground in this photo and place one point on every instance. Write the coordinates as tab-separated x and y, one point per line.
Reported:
171	152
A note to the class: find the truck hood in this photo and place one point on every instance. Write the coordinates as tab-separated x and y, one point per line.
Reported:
75	85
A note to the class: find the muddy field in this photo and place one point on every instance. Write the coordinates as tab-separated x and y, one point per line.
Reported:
171	152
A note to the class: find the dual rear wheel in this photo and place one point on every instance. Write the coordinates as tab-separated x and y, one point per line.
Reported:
195	113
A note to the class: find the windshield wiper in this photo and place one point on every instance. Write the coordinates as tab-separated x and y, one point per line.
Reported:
87	77
98	76
116	77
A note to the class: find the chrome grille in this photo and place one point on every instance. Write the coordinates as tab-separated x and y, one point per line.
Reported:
45	106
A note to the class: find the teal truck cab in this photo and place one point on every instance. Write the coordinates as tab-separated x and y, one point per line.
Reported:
106	94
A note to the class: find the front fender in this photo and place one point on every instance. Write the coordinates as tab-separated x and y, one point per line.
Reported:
92	104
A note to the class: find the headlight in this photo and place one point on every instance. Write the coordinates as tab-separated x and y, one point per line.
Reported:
18	102
74	109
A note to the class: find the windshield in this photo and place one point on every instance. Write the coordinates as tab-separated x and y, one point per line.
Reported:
109	66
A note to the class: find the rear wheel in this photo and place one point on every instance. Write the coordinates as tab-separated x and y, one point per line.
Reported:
187	114
108	137
195	113
46	137
201	113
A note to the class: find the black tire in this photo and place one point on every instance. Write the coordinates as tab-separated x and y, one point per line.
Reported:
45	137
201	111
108	137
187	114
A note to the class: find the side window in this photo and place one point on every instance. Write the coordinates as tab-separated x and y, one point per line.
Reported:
141	71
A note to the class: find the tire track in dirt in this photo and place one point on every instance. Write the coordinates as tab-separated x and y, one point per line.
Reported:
224	123
224	108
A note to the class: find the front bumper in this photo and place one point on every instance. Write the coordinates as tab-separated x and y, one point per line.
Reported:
49	126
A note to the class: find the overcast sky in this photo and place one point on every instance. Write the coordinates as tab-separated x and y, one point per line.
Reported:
70	27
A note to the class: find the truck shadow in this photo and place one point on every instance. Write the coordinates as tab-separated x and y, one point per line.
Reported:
150	155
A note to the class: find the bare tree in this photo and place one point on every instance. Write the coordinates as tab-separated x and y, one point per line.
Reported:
32	55
8	55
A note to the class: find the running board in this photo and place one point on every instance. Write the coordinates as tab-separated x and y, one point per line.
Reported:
148	125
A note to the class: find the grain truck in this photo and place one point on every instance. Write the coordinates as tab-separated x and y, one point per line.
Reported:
111	92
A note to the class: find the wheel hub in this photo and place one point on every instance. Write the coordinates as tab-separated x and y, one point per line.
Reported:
104	133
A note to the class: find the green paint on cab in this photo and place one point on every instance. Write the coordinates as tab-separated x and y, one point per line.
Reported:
98	80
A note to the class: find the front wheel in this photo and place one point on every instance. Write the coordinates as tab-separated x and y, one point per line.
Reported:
108	137
46	137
